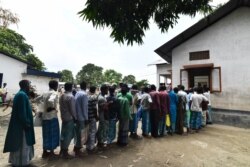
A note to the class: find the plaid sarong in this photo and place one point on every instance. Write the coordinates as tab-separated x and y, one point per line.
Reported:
123	131
51	134
111	130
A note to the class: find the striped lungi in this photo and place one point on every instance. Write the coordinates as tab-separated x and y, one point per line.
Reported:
92	135
112	130
123	131
51	134
102	132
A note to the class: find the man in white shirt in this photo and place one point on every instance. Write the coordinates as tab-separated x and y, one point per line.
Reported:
50	125
196	100
207	95
145	104
183	116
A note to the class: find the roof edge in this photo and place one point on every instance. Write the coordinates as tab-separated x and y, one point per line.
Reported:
43	73
165	50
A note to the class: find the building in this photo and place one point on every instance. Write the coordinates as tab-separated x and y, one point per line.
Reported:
13	69
163	72
215	52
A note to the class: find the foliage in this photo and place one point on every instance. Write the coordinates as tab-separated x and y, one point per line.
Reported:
111	76
7	18
35	61
14	44
142	83
91	74
129	79
67	76
130	19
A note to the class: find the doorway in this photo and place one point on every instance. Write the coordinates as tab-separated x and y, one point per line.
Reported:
199	77
1	79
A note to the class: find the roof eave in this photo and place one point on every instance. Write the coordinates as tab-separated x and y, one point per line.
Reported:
165	51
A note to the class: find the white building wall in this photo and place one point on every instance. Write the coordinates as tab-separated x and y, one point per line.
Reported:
12	70
162	69
228	41
39	82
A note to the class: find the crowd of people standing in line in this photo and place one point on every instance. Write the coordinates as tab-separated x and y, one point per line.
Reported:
161	112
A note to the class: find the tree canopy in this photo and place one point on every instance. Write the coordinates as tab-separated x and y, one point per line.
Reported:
129	20
129	79
142	83
111	76
14	44
91	74
67	76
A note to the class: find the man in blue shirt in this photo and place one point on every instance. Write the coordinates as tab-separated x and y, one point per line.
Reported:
81	115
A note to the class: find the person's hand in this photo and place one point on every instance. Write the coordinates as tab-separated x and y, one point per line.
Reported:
97	118
75	121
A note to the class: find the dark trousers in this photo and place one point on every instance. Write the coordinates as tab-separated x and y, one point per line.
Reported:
154	117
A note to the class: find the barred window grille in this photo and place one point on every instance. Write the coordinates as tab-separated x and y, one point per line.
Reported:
201	55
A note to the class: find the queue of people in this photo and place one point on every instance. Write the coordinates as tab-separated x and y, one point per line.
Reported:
161	112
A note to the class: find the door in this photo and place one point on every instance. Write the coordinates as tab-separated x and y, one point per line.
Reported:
199	77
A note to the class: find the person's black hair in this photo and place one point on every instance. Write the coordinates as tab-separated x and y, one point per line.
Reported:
114	85
135	87
152	87
92	89
24	84
199	90
182	87
146	89
83	85
191	90
53	84
124	89
104	87
176	90
68	86
120	84
111	90
4	84
162	88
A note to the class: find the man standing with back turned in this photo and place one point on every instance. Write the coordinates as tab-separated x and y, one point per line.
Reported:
20	136
82	116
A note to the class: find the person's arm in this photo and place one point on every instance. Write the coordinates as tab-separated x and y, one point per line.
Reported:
38	99
150	99
73	107
168	104
190	101
85	108
176	99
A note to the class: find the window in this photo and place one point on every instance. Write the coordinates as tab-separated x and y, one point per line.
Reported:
184	78
199	55
216	79
211	77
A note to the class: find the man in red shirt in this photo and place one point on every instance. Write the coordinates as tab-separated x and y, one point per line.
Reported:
164	110
154	111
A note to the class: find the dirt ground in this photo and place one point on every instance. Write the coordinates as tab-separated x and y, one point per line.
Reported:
214	146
